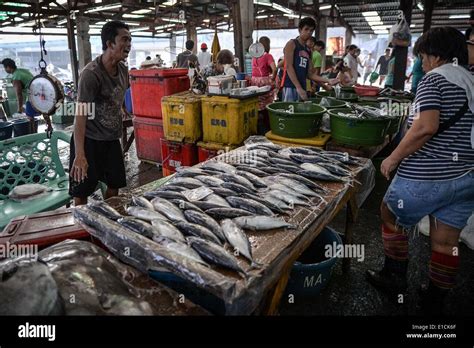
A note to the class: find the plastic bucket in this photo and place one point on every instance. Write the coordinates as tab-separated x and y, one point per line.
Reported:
354	131
6	129
312	271
22	127
295	120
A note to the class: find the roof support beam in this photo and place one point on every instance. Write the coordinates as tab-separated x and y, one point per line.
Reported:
429	5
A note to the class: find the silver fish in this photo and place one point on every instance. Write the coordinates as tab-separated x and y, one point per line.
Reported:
167	229
142	202
336	169
218	166
223	192
253	170
254	179
227	213
237	179
249	205
188	172
209	180
164	194
139	226
105	209
281	204
215	254
190	229
261	223
287	197
304	181
288	189
170	187
319	176
237	238
144	214
190	183
267	203
274	170
317	170
206	221
236	187
213	198
203	205
168	209
185	205
180	248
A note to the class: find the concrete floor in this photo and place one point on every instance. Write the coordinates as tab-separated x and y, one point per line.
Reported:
349	293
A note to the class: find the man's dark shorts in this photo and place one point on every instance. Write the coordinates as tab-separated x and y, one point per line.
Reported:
106	164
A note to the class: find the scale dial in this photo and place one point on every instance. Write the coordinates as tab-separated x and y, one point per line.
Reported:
45	93
256	50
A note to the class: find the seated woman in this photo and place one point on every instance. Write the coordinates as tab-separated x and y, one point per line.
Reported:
222	66
435	173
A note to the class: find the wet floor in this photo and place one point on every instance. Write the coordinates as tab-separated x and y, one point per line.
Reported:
350	294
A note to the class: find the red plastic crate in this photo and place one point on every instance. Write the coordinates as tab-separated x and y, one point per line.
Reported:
205	154
43	229
148	132
148	86
176	155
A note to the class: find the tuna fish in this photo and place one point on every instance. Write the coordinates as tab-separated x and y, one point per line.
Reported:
270	205
190	229
213	198
206	221
261	223
167	229
219	166
209	180
144	214
236	187
237	179
227	213
215	254
249	205
168	209
223	192
185	205
253	170
189	183
254	179
105	209
237	238
142	202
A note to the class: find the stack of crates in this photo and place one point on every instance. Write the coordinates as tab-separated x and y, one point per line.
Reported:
148	87
226	123
182	123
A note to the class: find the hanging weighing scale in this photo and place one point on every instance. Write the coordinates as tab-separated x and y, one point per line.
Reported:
45	92
256	50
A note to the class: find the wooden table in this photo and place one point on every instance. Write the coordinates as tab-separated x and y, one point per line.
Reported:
277	250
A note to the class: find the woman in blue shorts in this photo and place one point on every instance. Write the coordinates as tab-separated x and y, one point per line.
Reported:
435	173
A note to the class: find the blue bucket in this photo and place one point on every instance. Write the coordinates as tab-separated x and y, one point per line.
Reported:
241	76
6	129
22	127
311	273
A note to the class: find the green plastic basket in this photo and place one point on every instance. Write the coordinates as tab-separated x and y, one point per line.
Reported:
352	131
344	96
295	120
333	102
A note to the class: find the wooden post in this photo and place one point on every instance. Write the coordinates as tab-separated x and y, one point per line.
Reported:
401	53
191	34
72	46
83	42
238	47
429	5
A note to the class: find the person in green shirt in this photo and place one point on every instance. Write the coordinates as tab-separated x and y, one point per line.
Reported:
316	47
416	74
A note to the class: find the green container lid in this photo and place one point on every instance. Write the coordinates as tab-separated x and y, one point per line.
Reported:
295	120
352	131
345	96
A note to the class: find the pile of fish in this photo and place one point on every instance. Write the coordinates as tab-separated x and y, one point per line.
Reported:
364	113
199	216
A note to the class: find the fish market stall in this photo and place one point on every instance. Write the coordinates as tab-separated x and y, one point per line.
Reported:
225	233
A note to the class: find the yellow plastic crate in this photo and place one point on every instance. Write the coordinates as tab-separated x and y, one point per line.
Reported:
229	121
182	117
319	141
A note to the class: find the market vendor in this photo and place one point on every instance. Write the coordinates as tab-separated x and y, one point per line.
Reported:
96	154
298	65
21	79
435	176
223	66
